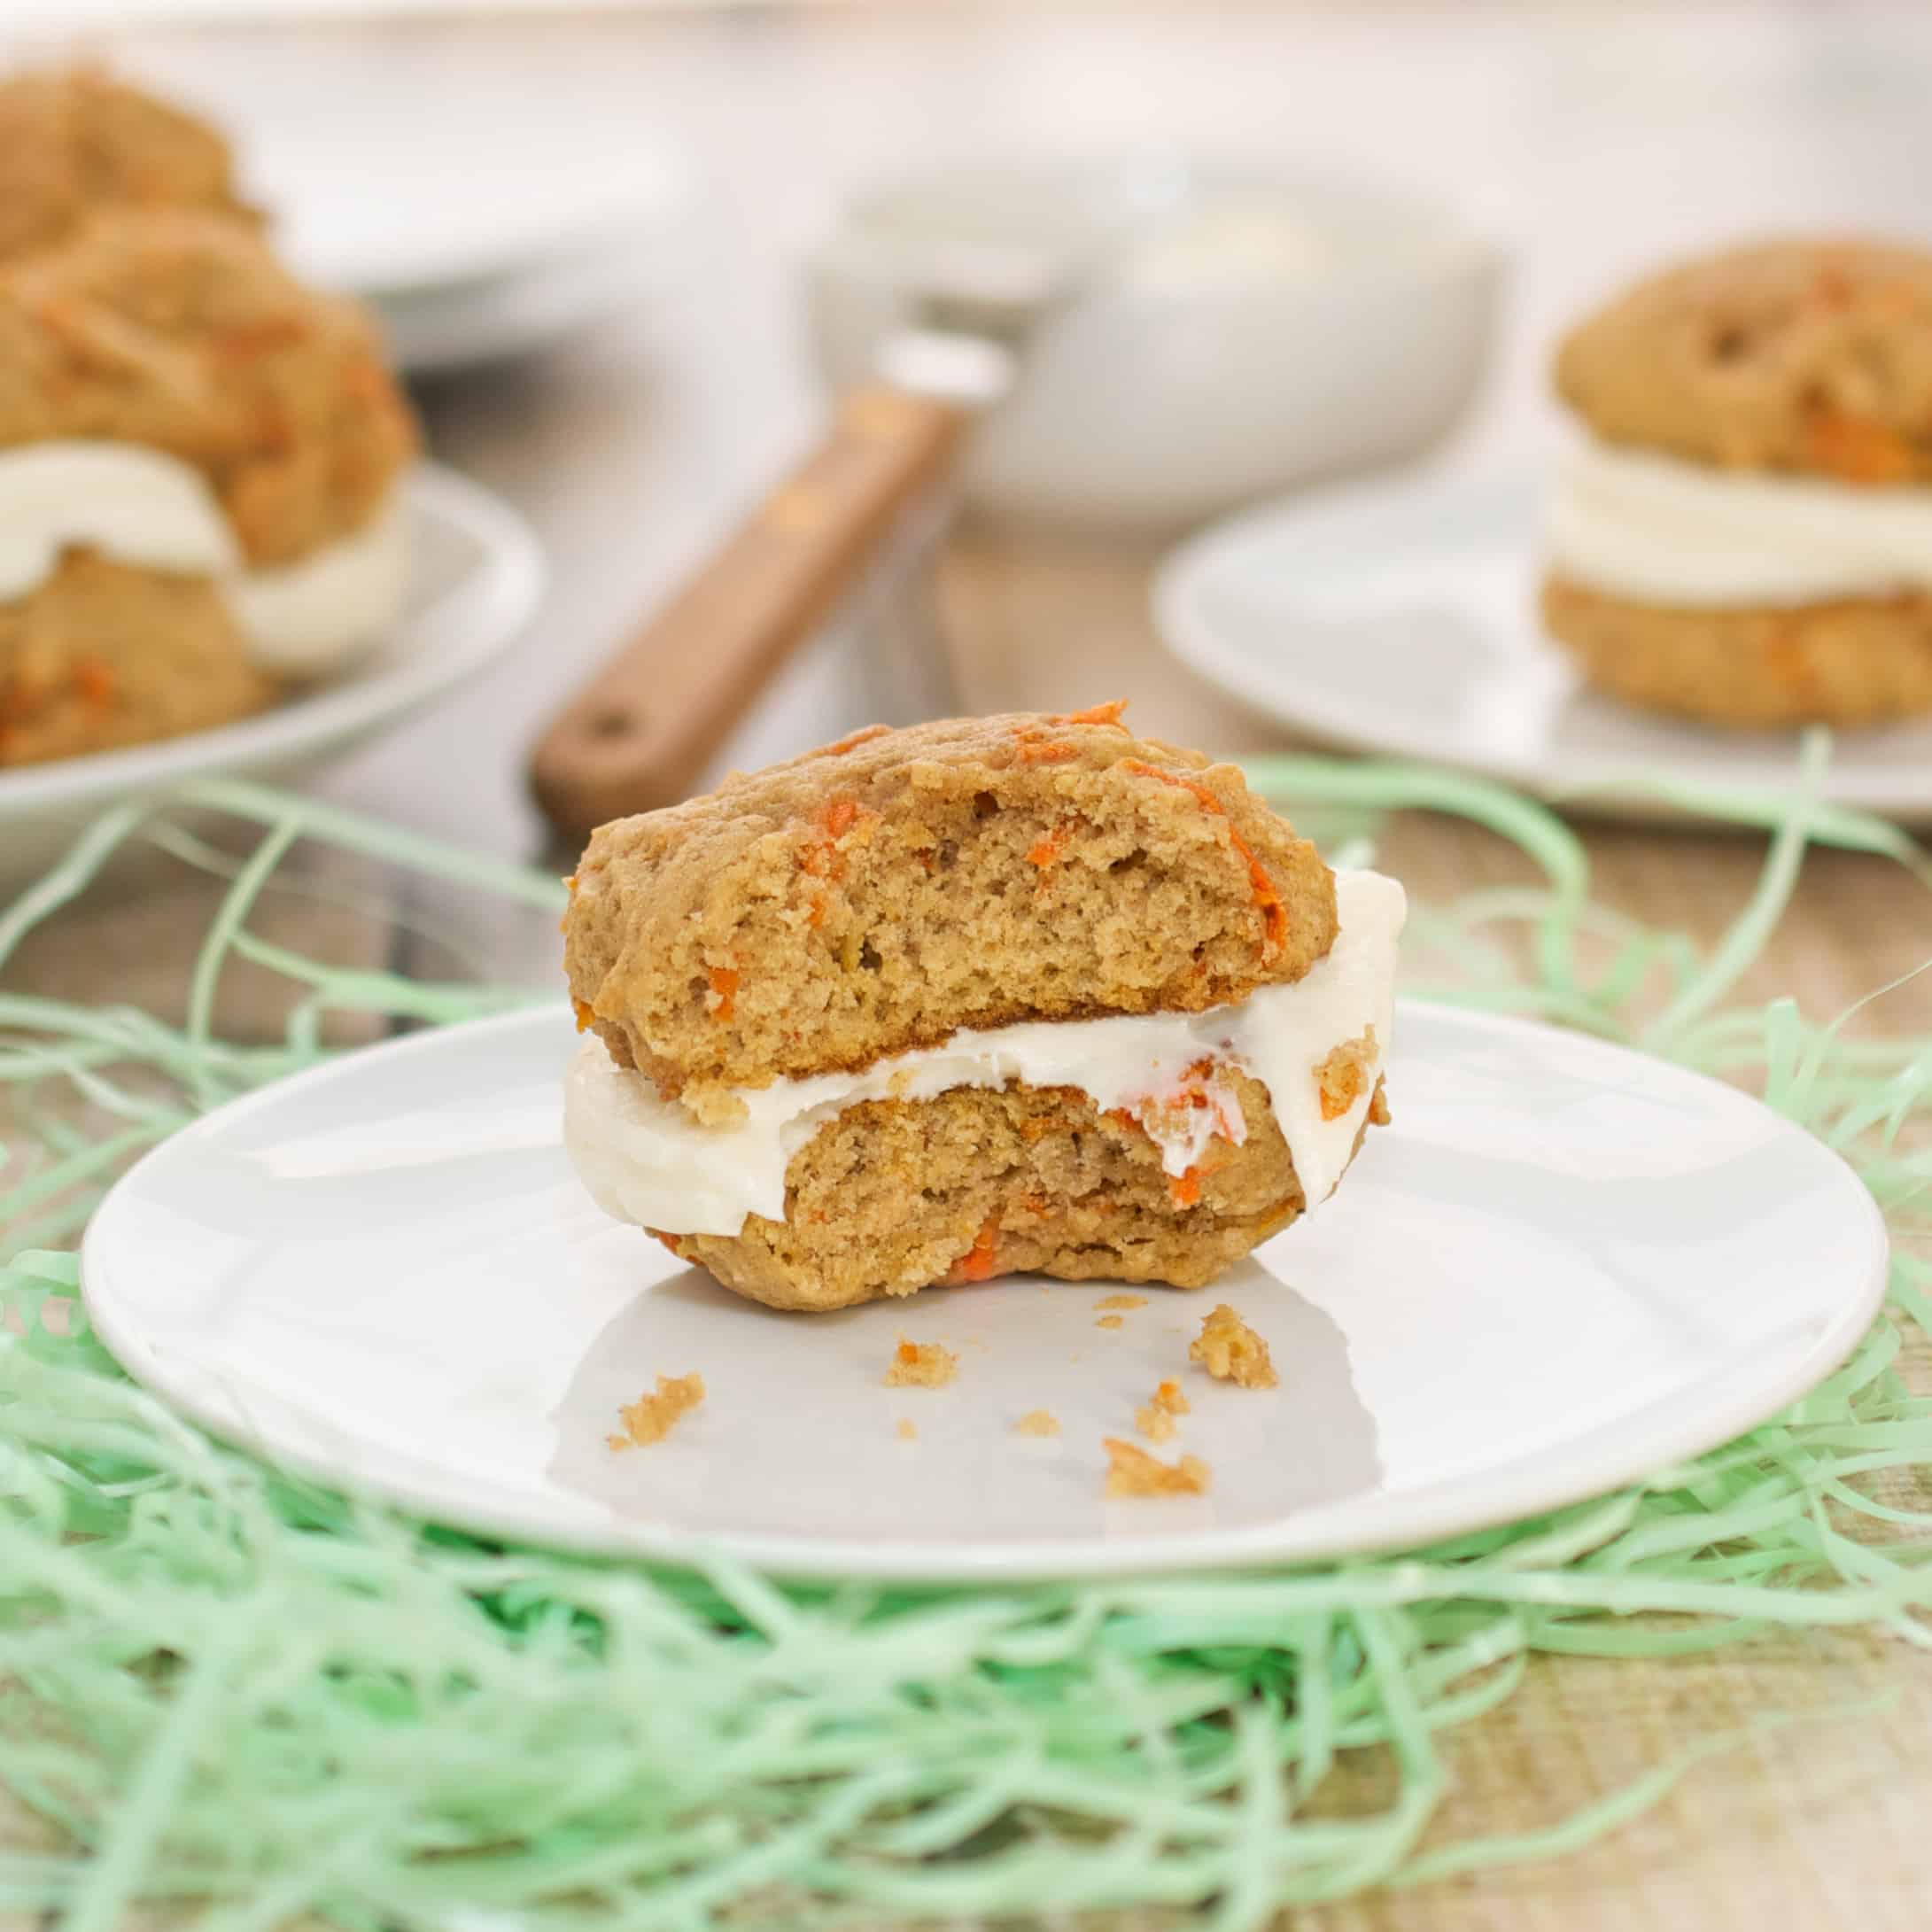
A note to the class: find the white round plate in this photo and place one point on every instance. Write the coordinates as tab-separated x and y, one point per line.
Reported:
1565	1266
476	574
1401	618
419	169
433	330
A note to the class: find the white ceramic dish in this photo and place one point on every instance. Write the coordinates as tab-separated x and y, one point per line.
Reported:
475	575
1565	1266
1401	618
430	331
420	170
1243	327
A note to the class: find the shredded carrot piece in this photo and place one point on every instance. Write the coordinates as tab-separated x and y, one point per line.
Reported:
1047	851
585	1016
1034	752
1108	713
95	681
980	1262
725	985
839	816
851	741
1267	897
1185	1189
1859	450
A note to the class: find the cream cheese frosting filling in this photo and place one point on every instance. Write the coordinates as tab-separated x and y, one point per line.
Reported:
1660	531
648	1161
142	507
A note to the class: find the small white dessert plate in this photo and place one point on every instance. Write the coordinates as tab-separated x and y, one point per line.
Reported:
1563	1267
476	574
1401	618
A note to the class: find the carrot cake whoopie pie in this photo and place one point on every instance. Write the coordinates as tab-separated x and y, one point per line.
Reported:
200	461
74	141
1745	535
1003	995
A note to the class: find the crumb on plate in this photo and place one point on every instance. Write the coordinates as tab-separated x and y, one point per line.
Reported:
1038	1422
907	1431
1111	1321
1155	1419
650	1418
1131	1471
1229	1348
1122	1301
921	1365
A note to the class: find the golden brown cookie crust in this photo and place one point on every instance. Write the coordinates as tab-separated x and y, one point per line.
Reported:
1811	355
879	894
75	141
1859	661
106	653
891	1195
182	332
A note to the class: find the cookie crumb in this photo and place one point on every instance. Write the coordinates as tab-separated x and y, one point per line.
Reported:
907	1431
1038	1422
1111	1321
1229	1348
921	1365
651	1417
1155	1419
1131	1471
1340	1078
1122	1301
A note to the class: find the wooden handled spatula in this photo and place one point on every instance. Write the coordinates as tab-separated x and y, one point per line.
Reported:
644	730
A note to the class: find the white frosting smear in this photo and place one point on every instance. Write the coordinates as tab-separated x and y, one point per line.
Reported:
1659	531
646	1159
141	507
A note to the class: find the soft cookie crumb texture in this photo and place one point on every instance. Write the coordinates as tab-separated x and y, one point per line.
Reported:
921	1365
1155	1419
880	894
978	1183
1131	1471
1806	354
652	1417
1229	1349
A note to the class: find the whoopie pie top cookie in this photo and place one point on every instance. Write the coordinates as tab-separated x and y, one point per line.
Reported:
75	141
877	895
1803	355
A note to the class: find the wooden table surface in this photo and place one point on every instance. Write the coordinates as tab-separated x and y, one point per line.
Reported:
1604	145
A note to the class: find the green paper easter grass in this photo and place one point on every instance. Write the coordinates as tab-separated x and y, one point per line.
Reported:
226	1685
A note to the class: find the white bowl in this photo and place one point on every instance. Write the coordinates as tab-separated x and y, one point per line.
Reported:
1237	328
476	574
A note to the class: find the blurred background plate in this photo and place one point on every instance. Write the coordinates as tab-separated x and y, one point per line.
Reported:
1401	618
477	574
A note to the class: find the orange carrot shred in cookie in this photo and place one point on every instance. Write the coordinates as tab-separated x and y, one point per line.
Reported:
1035	752
1185	1190
1108	713
725	985
1267	897
1858	450
585	1016
1046	850
852	740
95	681
979	1262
